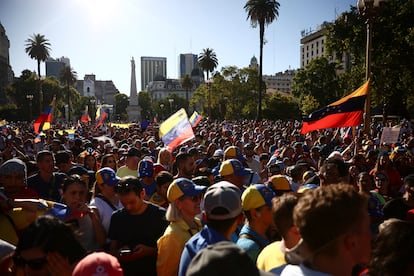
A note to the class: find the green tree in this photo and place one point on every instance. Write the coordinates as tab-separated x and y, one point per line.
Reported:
207	61
392	61
261	13
318	79
68	77
308	104
144	100
187	83
121	104
38	48
279	107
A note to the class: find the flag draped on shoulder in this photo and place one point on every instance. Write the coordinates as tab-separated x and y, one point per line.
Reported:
45	119
100	116
345	112
176	130
85	116
195	119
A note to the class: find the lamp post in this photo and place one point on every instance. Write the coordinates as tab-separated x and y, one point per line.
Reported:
368	9
209	82
162	110
93	101
30	98
171	101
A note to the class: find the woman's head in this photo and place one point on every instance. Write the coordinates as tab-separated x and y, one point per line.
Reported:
108	160
381	182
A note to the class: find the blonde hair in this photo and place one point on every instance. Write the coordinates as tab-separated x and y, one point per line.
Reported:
173	213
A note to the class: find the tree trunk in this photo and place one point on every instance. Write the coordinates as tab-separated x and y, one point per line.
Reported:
259	107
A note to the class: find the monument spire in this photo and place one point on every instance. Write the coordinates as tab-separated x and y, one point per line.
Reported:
133	109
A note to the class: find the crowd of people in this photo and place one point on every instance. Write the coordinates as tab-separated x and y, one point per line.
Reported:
244	197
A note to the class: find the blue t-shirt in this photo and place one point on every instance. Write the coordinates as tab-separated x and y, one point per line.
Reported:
201	240
252	244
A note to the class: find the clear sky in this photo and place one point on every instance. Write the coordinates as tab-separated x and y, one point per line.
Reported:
100	36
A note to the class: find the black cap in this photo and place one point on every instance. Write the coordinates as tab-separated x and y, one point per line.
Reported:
134	152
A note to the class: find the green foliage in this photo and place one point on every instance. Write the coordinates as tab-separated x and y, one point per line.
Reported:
308	104
279	107
317	79
262	13
187	83
121	104
392	59
144	101
38	48
207	60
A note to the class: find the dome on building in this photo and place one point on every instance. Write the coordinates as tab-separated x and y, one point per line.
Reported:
253	60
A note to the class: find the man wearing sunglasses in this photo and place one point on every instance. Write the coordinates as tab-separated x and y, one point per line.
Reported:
135	229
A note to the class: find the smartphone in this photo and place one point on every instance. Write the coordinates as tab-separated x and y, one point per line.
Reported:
124	252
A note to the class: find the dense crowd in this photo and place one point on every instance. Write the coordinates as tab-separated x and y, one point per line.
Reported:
81	200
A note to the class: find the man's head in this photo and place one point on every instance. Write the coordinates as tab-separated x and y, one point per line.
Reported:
185	165
334	220
63	160
257	204
13	175
131	194
283	215
334	171
233	152
222	205
132	158
45	161
232	170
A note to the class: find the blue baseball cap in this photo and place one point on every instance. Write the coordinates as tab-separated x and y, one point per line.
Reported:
145	168
183	187
107	176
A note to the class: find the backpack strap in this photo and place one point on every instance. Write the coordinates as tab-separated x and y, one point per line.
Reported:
101	196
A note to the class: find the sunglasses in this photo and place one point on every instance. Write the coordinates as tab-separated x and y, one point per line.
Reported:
34	264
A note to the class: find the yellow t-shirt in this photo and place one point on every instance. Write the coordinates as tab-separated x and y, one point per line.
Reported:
14	220
125	171
271	256
171	245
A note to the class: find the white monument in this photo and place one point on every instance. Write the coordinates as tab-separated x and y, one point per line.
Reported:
133	109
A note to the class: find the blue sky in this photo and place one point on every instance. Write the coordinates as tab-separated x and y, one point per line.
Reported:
101	36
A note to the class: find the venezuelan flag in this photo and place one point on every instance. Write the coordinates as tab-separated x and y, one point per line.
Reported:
195	119
100	116
43	121
176	130
345	112
85	116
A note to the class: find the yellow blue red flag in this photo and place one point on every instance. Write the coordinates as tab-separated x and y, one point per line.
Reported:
176	130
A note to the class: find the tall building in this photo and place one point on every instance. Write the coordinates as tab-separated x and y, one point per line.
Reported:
281	81
54	66
6	73
188	62
152	69
313	46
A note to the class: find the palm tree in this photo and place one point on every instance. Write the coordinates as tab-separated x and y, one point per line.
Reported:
207	60
68	76
262	13
186	83
38	47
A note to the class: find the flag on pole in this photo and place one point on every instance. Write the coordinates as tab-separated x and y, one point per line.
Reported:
176	130
100	116
345	112
195	119
44	120
85	116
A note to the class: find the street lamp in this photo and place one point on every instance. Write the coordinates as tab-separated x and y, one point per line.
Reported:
171	101
209	82
368	9
93	101
162	110
30	98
